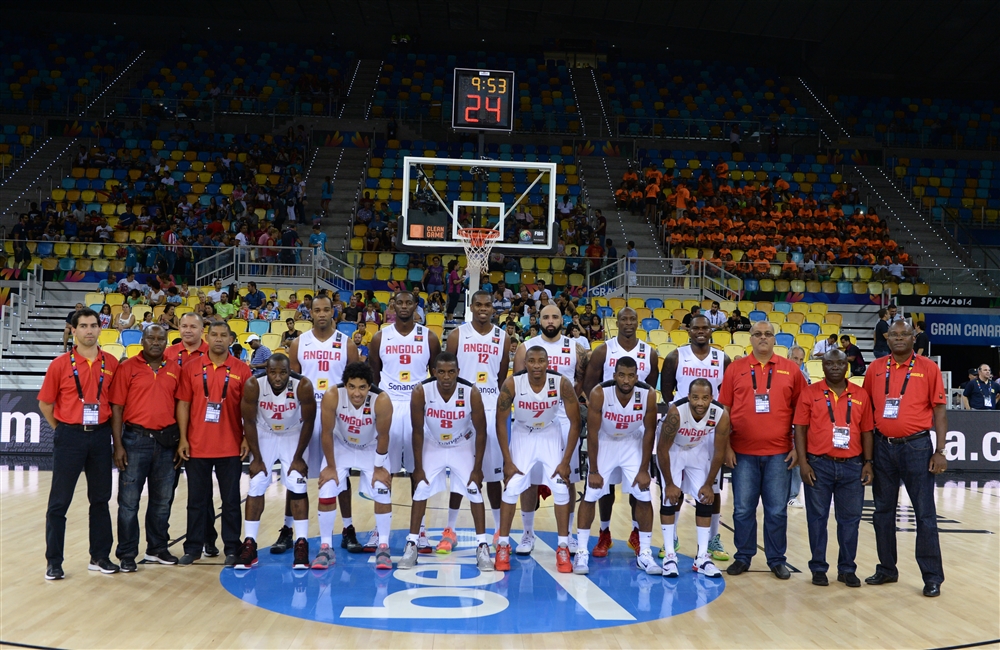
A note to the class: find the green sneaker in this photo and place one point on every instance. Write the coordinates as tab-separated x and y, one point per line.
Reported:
716	550
677	544
663	553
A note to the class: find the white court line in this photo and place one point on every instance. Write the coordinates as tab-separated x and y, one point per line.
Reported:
590	597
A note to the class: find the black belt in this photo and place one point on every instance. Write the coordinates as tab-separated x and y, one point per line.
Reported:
904	439
835	459
143	431
87	427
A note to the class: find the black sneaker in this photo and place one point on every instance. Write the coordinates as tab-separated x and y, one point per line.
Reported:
230	560
188	559
301	554
54	572
247	557
128	565
103	565
349	540
163	557
211	550
284	541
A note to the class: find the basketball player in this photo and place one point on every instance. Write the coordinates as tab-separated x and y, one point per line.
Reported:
621	418
481	350
320	355
401	355
602	368
535	394
697	360
684	452
356	419
569	360
449	410
278	414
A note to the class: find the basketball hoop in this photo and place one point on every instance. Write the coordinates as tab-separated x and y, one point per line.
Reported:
477	243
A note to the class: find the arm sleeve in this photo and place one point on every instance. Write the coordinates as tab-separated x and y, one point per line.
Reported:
50	385
119	389
968	392
803	410
867	419
184	390
726	390
936	388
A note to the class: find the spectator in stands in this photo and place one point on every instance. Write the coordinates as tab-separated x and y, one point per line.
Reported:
353	310
632	266
215	295
168	319
738	322
881	347
922	345
982	393
105	318
596	331
304	311
135	298
854	356
261	353
268	313
157	296
454	286
108	285
255	298
174	296
686	321
595	254
147	320
893	316
224	308
372	313
290	334
716	317
823	346
434	275
798	354
734	138
362	348
125	320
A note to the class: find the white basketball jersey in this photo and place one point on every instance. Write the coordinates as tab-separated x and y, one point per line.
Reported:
278	414
448	423
692	433
624	422
562	354
404	361
690	367
479	358
640	353
323	362
355	427
536	410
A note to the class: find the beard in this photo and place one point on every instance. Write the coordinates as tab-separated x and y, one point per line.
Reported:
551	332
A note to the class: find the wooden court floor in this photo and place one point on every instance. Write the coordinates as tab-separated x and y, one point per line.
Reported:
186	607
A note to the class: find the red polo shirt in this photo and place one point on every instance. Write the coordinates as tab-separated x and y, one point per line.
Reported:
207	439
179	354
812	411
761	434
916	409
59	388
148	396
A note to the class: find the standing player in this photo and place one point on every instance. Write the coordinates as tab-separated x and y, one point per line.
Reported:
536	441
279	410
401	356
356	419
684	451
450	411
320	355
480	348
602	368
697	360
621	420
569	360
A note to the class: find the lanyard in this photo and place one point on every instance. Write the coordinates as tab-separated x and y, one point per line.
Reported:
76	375
225	386
156	371
829	407
753	377
906	380
985	388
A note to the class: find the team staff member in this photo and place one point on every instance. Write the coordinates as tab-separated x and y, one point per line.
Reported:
908	399
760	391
208	413
145	433
75	402
982	392
833	440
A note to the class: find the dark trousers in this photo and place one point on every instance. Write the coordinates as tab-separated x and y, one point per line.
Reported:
200	502
211	534
842	483
907	462
149	461
760	479
75	451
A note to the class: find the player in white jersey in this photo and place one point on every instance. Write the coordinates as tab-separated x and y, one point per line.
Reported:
320	355
481	350
449	437
356	416
621	418
278	414
697	360
685	451
535	439
569	360
602	368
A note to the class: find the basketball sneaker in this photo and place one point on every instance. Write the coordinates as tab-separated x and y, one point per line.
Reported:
502	560
247	557
716	550
449	540
496	539
424	544
581	564
663	552
483	560
604	544
409	559
383	559
572	544
563	563
527	544
300	554
104	565
706	567
284	541
677	544
372	544
349	540
645	561
670	566
633	540
325	558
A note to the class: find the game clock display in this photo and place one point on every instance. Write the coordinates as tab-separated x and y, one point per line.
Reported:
483	100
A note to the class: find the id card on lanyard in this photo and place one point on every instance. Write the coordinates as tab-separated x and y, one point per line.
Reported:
841	435
91	410
213	410
762	402
891	409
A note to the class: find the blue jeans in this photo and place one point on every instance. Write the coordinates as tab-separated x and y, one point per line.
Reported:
795	485
147	460
842	482
908	463
757	478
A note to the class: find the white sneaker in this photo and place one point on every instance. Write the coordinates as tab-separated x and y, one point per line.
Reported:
571	543
372	542
483	560
794	503
706	567
646	562
670	565
424	544
527	544
409	559
581	564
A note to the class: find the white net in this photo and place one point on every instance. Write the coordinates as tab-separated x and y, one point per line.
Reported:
478	242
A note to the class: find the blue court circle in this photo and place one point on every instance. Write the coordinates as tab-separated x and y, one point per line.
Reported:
447	594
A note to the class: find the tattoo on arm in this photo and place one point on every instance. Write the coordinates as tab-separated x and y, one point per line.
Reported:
506	398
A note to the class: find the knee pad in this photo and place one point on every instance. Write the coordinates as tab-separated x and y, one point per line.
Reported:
381	493
297	496
561	497
328	502
259	484
702	510
667	511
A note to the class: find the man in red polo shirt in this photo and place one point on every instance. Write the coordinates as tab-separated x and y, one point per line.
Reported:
75	402
760	392
909	400
208	413
833	440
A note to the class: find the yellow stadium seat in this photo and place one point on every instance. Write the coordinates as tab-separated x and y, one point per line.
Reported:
133	350
781	351
734	351
801	307
814	318
806	342
829	328
271	341
819	308
107	336
303	325
795	317
722	338
679	337
834	318
114	349
658	337
238	325
741	338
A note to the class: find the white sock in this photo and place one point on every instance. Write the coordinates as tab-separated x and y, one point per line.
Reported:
481	539
452	517
635	525
327	518
410	537
423	527
569	527
289	522
605	525
644	540
714	528
582	539
496	518
300	528
563	540
704	533
668	537
250	529
348	522
503	541
383	524
528	520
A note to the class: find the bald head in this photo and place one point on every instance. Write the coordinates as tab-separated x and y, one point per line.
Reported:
901	339
834	367
550	320
835	355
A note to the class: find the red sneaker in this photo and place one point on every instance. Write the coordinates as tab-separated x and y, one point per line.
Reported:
604	544
633	541
563	563
502	560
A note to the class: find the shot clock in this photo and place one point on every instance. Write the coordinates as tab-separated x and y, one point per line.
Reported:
483	100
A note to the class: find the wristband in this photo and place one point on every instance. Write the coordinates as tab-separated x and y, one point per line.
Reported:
868	461
381	460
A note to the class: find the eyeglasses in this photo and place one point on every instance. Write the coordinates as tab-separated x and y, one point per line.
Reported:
762	335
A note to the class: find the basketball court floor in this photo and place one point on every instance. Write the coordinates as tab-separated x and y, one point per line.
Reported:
447	603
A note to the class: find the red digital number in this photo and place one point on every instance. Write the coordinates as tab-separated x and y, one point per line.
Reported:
405	359
494	109
621	425
323	365
538	414
470	108
484	358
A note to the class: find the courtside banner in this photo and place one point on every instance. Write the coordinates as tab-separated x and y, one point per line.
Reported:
23	430
963	329
973	441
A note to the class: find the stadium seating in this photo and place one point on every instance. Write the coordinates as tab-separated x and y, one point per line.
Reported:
922	122
966	189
